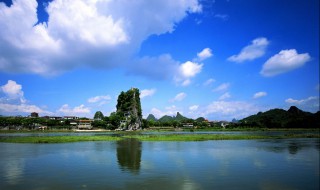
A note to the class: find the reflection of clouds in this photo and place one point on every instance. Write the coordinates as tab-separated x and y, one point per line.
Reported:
177	159
147	165
94	152
13	170
188	184
161	182
259	163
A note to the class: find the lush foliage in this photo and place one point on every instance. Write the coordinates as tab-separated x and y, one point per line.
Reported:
32	123
175	121
129	101
279	118
98	115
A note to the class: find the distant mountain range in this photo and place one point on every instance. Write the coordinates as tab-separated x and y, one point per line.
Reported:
279	118
167	118
274	118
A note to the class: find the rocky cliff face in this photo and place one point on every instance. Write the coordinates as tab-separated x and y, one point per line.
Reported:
129	107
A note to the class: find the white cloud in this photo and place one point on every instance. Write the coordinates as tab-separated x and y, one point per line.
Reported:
99	34
222	87
13	91
186	82
147	92
78	110
284	61
186	71
100	99
309	104
165	67
223	17
225	96
253	51
14	101
302	101
229	109
204	54
21	108
259	95
208	82
179	97
170	111
194	108
156	112
190	69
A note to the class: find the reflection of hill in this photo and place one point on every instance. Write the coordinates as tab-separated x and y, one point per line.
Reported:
292	146
129	154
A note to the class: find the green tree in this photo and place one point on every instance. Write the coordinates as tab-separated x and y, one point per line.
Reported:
98	115
145	123
99	124
115	119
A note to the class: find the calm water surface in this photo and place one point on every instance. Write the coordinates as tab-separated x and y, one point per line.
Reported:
130	164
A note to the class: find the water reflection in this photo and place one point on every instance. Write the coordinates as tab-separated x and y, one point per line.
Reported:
270	164
129	154
292	146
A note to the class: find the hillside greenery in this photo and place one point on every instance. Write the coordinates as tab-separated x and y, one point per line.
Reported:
279	118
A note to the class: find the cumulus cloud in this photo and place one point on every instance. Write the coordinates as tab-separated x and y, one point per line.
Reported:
259	95
204	54
78	110
225	96
186	71
99	34
284	61
14	101
147	92
190	69
13	91
253	51
179	97
308	104
222	87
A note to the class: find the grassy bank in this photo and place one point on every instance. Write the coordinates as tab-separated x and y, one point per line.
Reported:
205	137
165	137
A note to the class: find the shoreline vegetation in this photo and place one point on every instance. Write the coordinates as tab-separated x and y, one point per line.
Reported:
313	133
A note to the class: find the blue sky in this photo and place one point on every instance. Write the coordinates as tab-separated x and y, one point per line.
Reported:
219	59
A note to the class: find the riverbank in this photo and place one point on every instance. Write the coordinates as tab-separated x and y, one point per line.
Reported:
163	129
153	137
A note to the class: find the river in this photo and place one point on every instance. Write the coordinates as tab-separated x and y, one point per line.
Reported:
131	164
